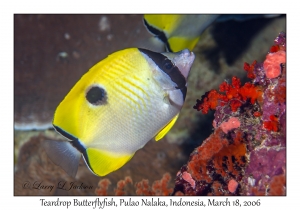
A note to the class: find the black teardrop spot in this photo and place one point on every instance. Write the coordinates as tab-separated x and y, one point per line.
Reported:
96	95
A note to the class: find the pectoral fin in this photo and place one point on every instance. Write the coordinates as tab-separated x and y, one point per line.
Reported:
102	163
166	129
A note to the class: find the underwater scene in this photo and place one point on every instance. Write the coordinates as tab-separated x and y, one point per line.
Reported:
150	104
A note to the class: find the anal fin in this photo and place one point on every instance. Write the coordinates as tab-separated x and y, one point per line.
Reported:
166	129
102	163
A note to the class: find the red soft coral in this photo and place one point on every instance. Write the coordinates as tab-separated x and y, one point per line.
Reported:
208	101
249	68
271	125
234	95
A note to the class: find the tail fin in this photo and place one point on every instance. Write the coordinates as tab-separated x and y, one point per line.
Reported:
63	154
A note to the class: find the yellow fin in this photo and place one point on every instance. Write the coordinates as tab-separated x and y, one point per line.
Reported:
166	129
180	43
102	162
166	23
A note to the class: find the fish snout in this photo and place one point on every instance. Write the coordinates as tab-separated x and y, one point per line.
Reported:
184	60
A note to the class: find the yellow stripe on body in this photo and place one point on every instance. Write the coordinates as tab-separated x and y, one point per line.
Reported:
136	86
117	69
118	96
112	77
114	68
124	64
123	86
113	73
138	79
137	90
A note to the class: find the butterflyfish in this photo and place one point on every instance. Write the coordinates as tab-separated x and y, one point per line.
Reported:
122	102
178	32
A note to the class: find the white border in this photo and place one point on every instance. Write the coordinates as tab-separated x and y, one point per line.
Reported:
154	6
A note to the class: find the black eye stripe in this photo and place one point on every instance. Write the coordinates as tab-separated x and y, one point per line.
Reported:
96	95
161	61
168	65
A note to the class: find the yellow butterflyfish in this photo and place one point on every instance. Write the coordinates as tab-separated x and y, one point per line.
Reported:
122	102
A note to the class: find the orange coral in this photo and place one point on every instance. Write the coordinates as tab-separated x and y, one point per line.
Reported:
121	185
211	145
234	96
197	169
216	157
237	151
277	185
238	137
143	188
102	187
159	187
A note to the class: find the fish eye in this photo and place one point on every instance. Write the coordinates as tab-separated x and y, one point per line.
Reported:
96	95
168	64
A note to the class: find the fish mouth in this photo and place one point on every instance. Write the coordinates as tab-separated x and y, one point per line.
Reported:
183	60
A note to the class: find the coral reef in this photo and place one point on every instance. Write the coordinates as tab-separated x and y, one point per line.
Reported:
246	154
219	55
159	187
